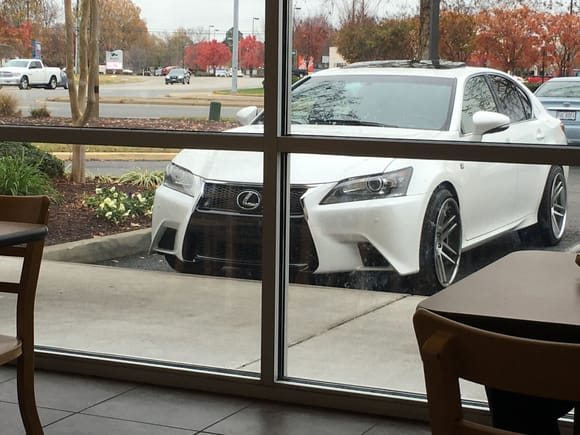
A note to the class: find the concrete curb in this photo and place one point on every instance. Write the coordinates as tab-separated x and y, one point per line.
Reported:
91	251
118	156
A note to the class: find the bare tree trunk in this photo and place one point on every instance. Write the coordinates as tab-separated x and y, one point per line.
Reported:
82	29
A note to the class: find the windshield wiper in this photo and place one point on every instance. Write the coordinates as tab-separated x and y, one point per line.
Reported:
338	121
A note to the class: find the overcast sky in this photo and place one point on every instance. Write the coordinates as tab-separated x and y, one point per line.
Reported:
169	15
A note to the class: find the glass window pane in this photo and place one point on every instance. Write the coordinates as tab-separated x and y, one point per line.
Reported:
387	232
169	274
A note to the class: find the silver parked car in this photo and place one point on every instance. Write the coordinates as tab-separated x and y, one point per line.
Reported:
561	97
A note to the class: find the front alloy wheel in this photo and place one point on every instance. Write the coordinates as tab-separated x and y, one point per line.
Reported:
440	249
447	250
23	83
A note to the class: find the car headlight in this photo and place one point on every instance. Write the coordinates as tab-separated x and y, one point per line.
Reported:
376	186
182	180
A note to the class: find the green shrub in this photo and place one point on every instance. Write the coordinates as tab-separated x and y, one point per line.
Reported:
45	162
18	177
142	178
40	112
8	105
116	206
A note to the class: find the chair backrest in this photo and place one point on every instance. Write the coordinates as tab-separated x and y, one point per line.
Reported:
26	209
452	350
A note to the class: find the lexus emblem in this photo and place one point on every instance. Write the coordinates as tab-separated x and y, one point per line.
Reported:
249	200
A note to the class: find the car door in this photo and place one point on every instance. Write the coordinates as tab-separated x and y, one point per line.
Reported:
525	128
36	72
488	188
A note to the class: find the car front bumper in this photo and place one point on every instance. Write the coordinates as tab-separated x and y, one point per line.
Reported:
365	235
9	81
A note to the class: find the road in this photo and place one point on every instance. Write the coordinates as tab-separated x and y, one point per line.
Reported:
146	88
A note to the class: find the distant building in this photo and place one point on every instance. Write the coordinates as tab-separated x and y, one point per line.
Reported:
335	59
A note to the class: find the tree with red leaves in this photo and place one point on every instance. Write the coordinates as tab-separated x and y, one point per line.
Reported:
208	54
458	31
509	39
18	38
251	53
312	37
563	41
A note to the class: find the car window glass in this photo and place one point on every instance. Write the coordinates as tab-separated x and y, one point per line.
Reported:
512	101
477	97
390	101
559	89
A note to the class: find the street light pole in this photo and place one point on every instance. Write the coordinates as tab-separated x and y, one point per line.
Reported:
235	48
254	19
209	32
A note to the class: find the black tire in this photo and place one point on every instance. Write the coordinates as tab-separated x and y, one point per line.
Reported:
52	83
440	249
552	212
24	83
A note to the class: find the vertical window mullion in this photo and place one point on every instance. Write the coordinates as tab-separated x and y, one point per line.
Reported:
273	236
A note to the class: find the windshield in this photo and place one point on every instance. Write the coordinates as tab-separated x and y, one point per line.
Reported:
561	89
17	63
415	102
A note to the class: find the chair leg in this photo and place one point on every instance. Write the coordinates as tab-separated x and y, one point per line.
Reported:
26	395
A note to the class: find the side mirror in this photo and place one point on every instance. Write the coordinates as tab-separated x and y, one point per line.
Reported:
246	115
489	122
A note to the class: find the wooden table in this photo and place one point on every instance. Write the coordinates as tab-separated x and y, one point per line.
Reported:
533	294
15	233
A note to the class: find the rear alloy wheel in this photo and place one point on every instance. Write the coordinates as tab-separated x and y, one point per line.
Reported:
440	249
52	83
553	208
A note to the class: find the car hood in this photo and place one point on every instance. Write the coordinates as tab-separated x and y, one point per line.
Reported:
12	69
246	166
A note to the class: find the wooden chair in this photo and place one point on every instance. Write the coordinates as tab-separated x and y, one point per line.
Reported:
452	350
27	209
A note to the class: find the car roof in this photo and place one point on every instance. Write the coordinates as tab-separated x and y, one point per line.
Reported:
564	79
409	68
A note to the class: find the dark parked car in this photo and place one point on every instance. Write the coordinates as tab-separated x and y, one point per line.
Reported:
177	75
561	97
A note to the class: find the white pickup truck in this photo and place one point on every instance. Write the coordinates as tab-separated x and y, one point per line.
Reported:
27	73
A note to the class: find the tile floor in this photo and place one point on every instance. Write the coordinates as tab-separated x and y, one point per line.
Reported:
79	405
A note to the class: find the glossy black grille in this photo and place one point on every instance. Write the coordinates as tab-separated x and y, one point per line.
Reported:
224	198
237	240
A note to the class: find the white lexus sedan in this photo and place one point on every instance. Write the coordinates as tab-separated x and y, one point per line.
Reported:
412	217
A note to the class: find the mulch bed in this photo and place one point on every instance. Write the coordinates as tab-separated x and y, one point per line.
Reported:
71	220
